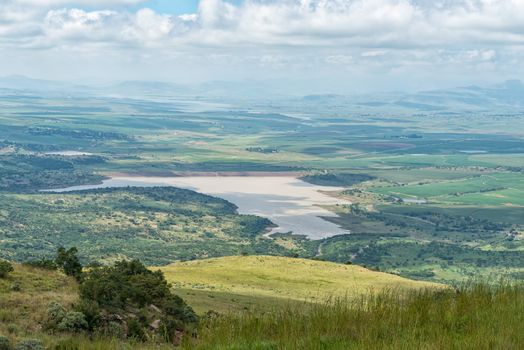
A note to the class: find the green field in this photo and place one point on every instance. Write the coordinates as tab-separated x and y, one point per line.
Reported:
480	184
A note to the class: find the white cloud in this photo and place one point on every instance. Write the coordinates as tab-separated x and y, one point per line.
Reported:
377	24
51	3
339	59
373	53
392	33
78	25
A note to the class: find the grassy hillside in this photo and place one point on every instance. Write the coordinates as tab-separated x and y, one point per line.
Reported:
474	317
261	282
25	295
157	225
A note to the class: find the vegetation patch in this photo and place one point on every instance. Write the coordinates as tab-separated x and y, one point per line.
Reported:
473	316
336	179
158	225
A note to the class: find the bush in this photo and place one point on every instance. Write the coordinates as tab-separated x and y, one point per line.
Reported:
30	344
16	287
55	314
130	295
68	261
5	268
58	318
136	330
13	328
5	344
112	329
73	321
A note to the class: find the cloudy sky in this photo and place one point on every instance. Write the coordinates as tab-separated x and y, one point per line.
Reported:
348	45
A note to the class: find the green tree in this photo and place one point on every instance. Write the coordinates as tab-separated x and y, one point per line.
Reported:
128	285
68	261
5	268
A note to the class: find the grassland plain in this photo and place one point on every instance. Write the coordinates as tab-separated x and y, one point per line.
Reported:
227	283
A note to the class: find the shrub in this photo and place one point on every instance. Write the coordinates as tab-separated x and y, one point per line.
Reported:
30	344
124	283
68	261
5	268
136	330
55	314
129	294
112	329
73	321
91	312
16	287
13	328
5	344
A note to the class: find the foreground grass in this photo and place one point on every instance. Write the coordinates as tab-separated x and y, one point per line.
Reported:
474	317
25	295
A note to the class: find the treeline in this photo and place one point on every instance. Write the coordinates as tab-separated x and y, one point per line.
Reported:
337	179
78	133
30	173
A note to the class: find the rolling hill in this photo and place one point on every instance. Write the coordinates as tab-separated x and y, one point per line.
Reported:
406	316
263	282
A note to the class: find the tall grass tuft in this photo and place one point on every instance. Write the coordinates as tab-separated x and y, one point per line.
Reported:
474	316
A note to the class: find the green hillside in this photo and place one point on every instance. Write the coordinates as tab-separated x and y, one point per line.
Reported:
157	225
254	282
24	296
284	312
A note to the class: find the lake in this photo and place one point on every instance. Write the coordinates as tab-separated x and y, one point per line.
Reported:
292	204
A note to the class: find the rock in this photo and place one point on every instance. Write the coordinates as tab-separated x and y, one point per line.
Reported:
154	308
178	337
155	324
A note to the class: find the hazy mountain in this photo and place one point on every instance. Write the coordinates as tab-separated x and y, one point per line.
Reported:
20	82
508	95
147	88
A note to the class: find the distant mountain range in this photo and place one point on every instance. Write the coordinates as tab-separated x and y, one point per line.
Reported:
504	96
501	97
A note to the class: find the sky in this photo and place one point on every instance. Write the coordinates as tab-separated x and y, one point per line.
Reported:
335	45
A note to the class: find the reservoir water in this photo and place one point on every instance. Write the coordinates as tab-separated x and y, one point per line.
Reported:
292	204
